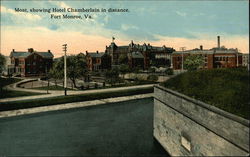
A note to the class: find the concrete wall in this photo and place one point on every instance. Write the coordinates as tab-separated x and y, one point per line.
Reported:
185	126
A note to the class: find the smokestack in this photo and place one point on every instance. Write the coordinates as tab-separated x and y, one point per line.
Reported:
201	47
218	41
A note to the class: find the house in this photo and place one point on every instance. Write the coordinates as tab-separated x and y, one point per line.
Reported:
98	61
152	55
219	57
30	63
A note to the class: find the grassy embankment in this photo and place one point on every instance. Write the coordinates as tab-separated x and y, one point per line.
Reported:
70	98
227	89
9	94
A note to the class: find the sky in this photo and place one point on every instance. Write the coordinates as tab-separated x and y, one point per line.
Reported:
171	23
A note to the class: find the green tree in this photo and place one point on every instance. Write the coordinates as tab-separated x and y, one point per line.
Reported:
2	63
112	76
193	62
123	69
56	71
76	68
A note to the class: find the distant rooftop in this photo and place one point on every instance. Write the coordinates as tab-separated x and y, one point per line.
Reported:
95	54
25	54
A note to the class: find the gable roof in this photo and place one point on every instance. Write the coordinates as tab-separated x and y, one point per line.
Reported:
45	54
20	54
96	55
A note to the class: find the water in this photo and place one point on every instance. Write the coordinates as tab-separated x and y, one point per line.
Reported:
120	129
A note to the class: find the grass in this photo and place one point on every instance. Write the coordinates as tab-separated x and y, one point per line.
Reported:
7	81
227	89
71	98
10	94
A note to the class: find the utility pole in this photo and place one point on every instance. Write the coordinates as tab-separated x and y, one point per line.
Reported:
182	57
65	68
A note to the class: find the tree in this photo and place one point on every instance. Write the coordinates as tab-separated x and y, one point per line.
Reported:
56	71
76	68
2	63
193	62
123	69
112	75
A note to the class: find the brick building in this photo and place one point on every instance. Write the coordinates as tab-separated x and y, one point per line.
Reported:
135	59
98	61
152	55
218	57
30	63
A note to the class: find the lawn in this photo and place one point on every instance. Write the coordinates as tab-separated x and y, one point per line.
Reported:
9	94
70	98
227	88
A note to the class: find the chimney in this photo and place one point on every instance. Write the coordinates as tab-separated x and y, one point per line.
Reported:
97	52
13	50
201	47
218	41
86	52
49	51
30	50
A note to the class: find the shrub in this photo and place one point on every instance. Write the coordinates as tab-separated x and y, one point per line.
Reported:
169	71
152	78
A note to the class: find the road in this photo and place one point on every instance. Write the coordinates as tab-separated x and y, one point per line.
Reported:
118	129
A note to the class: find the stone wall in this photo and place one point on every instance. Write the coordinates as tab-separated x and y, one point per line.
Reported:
186	126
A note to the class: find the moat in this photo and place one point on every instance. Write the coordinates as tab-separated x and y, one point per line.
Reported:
120	129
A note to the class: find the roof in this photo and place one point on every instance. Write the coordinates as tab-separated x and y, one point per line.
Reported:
19	54
136	55
96	55
45	54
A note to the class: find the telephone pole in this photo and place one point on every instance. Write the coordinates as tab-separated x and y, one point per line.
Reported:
182	57
65	68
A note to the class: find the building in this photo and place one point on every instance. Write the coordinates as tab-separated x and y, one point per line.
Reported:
152	55
219	57
135	59
30	63
98	61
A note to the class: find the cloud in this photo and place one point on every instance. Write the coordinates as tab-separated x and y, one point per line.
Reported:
128	26
26	15
183	14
